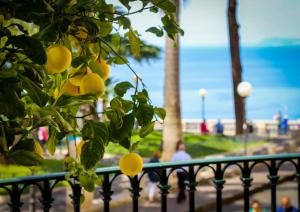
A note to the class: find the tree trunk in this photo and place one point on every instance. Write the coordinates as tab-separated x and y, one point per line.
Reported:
172	130
235	66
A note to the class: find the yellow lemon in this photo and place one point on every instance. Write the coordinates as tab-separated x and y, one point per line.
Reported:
76	80
59	58
92	83
105	69
131	164
69	89
38	149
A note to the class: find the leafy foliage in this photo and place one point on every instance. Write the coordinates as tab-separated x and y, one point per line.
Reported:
30	98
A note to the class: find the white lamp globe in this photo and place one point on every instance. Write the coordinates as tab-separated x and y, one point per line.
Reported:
244	89
202	92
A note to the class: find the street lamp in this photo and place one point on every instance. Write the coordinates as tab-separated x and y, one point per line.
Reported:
202	93
244	89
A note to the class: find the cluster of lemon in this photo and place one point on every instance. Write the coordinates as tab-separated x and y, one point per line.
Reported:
84	81
80	81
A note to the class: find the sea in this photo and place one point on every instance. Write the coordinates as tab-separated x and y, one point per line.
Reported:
274	73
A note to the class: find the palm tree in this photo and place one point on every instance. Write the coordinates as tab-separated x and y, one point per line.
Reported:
172	131
235	65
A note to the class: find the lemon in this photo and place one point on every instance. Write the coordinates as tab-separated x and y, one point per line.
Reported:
69	89
131	164
59	58
38	149
76	80
92	83
105	69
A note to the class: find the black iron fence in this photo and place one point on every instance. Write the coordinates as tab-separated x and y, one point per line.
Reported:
15	187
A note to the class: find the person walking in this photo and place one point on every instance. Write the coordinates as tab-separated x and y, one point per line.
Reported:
153	178
286	205
181	155
203	128
219	128
256	207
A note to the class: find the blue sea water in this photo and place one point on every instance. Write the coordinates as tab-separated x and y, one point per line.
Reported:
274	73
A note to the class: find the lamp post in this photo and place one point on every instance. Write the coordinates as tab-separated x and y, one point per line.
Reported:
244	89
202	93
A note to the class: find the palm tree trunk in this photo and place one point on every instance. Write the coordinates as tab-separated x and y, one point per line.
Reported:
172	131
235	65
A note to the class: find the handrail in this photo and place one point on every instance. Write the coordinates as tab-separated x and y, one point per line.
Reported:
147	166
46	183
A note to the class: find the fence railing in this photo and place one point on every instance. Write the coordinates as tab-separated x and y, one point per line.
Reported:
15	186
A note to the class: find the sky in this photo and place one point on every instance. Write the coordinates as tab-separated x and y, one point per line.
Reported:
205	22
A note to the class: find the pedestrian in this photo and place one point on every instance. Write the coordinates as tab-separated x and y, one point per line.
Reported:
286	205
278	118
181	155
285	124
203	128
256	207
219	128
42	136
153	178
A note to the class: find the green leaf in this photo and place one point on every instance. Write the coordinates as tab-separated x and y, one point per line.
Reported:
3	141
154	9
25	158
49	33
144	114
91	153
32	47
115	116
124	21
34	92
125	3
122	87
94	65
5	74
105	28
165	5
89	24
46	120
119	60
125	131
63	123
86	182
26	144
125	142
67	101
146	130
95	130
51	142
158	32
171	26
81	60
134	43
127	105
160	112
134	146
142	97
116	103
